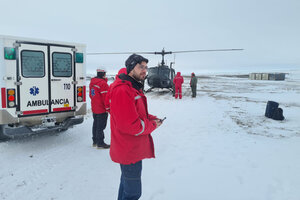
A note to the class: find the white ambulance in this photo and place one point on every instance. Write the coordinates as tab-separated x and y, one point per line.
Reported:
42	85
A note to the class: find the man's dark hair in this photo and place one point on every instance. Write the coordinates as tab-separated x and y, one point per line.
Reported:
132	60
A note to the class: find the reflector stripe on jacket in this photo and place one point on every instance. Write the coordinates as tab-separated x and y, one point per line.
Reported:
97	86
143	125
137	97
104	92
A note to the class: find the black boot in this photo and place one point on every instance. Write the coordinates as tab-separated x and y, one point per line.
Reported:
103	146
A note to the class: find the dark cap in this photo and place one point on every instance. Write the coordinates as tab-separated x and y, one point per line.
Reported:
133	60
101	73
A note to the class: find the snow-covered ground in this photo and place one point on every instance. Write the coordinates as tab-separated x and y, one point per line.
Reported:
217	146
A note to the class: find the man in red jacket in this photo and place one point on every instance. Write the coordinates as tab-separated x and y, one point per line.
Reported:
98	91
131	126
177	81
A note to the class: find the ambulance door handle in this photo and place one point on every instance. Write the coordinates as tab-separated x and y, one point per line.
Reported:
18	83
55	79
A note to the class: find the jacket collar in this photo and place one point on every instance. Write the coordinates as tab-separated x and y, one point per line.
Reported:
135	84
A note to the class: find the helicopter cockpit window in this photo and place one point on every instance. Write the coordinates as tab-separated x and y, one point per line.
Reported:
165	72
152	71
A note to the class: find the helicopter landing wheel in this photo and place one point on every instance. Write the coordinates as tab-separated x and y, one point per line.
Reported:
149	90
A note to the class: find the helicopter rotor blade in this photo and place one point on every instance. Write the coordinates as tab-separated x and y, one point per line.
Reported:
163	52
103	53
206	50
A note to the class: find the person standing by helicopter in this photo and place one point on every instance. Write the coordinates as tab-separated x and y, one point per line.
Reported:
178	80
193	84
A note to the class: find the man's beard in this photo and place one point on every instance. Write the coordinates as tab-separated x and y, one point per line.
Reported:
138	77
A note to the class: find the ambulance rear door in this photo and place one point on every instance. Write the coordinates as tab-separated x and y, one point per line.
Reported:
32	79
62	73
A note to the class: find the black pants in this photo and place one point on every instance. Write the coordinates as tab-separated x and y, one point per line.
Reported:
99	125
194	91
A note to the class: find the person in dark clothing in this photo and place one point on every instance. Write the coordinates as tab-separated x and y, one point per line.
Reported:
131	126
193	84
98	90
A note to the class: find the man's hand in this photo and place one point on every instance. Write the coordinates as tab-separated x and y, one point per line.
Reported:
158	122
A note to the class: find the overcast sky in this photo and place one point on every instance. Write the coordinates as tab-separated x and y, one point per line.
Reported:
268	30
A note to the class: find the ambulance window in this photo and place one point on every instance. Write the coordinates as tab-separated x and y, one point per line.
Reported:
62	64
32	63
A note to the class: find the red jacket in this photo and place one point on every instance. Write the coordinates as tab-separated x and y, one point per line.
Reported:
98	91
130	123
178	80
107	99
121	71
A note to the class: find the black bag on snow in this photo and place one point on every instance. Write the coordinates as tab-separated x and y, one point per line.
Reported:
270	109
278	114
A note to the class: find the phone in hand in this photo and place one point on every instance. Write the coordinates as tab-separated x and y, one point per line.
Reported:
161	120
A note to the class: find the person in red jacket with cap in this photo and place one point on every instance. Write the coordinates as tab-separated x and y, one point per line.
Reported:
98	91
107	98
177	81
131	126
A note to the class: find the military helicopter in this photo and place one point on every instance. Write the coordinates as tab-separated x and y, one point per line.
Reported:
161	76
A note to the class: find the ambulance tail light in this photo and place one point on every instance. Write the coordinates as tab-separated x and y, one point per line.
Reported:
11	98
3	97
80	94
